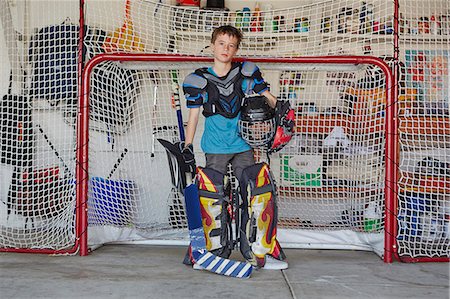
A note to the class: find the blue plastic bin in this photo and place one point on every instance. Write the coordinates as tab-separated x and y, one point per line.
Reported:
110	201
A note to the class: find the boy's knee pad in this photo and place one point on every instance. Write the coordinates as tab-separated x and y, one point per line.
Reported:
259	213
214	191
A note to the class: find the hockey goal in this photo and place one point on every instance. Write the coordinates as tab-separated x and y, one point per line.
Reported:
335	180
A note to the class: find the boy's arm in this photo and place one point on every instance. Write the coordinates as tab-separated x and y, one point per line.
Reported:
192	124
193	88
272	99
260	86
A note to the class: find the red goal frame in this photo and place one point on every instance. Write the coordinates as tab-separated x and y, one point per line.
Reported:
391	156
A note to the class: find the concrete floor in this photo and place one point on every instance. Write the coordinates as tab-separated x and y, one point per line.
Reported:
139	271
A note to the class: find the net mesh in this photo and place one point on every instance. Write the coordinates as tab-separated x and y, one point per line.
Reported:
424	170
322	28
331	174
330	177
137	171
38	114
37	187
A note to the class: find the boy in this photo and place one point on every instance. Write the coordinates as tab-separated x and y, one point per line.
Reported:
220	90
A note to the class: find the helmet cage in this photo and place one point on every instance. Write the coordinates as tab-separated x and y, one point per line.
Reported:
257	122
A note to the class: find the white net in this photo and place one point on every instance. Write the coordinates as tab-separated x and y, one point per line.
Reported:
330	178
37	166
424	170
130	176
38	115
335	161
278	29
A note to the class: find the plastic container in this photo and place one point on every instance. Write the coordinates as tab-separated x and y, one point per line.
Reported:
188	3
372	217
256	23
429	226
267	17
246	18
216	4
110	201
239	19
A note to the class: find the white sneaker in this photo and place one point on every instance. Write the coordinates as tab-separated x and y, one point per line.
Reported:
274	264
197	267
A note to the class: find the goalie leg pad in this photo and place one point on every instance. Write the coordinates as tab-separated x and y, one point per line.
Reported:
214	191
259	214
278	252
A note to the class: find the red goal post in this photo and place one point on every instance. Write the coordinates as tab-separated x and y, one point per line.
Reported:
390	128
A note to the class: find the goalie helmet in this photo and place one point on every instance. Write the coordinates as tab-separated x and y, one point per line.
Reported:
257	122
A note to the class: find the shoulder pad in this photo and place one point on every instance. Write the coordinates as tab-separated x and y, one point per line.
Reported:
194	80
248	68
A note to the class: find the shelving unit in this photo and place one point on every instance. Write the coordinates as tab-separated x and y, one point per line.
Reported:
295	191
312	25
425	39
324	124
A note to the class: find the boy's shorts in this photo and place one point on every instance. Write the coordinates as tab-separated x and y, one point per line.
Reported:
239	162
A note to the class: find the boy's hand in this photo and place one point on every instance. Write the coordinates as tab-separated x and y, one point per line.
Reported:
188	155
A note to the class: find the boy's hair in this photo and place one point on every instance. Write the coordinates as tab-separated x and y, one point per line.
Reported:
228	30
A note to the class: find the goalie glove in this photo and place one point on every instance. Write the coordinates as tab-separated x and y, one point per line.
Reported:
188	155
284	125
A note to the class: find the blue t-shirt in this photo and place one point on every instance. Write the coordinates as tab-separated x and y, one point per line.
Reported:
221	134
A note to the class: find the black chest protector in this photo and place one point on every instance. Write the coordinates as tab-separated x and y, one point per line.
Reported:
225	93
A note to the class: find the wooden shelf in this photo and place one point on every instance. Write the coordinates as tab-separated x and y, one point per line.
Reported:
424	125
425	38
247	34
403	188
287	191
363	118
333	36
424	184
352	124
291	35
320	124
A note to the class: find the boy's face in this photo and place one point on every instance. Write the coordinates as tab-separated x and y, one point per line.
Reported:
224	48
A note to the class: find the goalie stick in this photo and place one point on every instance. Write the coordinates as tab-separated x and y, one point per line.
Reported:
116	165
50	144
201	256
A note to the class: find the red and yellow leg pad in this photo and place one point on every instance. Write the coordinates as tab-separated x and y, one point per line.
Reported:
259	215
213	191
